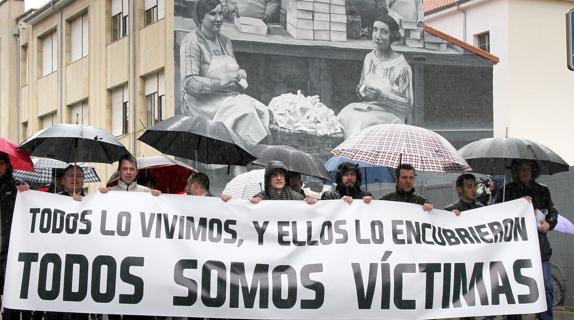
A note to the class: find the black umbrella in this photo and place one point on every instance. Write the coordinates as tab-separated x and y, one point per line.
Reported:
197	138
75	143
295	160
494	155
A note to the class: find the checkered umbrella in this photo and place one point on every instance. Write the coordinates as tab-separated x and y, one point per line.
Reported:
246	185
392	144
44	171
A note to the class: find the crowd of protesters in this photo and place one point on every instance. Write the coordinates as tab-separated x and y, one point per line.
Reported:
281	184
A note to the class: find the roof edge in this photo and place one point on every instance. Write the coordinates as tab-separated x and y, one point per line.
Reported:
25	14
445	6
462	44
45	11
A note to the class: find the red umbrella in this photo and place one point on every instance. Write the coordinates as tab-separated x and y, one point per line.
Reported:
19	158
161	173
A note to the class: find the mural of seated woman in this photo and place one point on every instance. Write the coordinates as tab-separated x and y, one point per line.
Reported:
385	86
212	80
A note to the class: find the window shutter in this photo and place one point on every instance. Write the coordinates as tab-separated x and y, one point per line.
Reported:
47	55
85	35
76	39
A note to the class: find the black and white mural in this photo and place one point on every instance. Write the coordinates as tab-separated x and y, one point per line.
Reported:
311	73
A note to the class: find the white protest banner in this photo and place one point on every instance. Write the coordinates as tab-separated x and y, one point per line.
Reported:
133	253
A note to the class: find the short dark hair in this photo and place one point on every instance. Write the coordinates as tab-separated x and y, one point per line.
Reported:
201	178
73	166
404	166
203	7
4	157
462	177
127	157
294	174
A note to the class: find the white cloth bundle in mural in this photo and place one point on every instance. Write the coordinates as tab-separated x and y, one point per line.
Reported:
297	112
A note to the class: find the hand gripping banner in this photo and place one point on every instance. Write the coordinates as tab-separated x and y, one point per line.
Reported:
133	253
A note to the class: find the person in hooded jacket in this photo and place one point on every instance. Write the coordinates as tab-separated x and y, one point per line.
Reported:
277	185
348	181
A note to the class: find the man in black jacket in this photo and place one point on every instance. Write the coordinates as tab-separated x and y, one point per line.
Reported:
524	174
466	189
198	185
348	181
405	190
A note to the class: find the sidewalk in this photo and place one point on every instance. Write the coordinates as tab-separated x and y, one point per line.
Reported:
563	313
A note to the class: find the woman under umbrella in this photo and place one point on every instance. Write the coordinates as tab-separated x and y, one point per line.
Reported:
212	79
385	85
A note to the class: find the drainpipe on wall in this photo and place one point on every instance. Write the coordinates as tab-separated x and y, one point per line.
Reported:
61	67
16	34
458	8
132	76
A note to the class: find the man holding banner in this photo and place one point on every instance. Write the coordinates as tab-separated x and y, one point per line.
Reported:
466	189
405	190
198	185
348	179
277	187
128	172
127	181
524	174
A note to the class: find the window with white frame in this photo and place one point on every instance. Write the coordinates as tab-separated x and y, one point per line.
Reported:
79	37
154	11
48	120
49	45
482	41
80	113
120	10
155	98
120	112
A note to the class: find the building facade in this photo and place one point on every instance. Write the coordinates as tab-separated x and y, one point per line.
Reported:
100	63
9	70
532	85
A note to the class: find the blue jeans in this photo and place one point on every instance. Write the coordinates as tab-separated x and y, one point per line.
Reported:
547	273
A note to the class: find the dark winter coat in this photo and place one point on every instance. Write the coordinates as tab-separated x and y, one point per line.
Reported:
8	194
541	200
408	197
463	206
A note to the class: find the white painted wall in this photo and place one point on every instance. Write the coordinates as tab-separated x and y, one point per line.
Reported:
542	87
533	89
482	16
